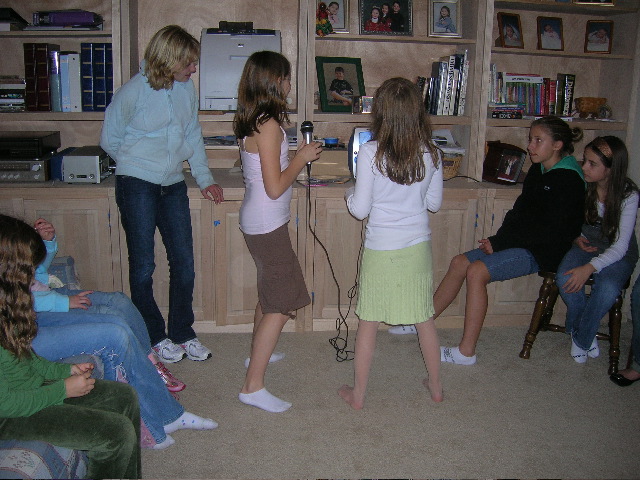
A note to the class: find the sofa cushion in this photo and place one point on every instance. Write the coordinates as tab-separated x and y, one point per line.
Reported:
27	459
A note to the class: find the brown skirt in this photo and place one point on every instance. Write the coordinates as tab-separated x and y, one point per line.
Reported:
281	287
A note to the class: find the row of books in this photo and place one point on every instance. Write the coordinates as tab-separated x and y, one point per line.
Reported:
12	89
68	81
445	91
514	95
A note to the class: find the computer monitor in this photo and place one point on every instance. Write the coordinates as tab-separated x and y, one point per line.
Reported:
360	136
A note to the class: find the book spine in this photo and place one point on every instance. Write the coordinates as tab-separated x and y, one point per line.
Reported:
456	84
99	77
86	72
463	86
553	84
442	86
54	81
569	88
65	99
30	95
75	82
43	69
449	85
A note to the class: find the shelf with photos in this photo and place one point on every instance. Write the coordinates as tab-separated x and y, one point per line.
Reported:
423	39
554	6
557	53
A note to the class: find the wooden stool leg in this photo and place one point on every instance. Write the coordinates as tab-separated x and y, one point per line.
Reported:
615	320
540	309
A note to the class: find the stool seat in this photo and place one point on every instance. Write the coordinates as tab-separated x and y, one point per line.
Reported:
543	311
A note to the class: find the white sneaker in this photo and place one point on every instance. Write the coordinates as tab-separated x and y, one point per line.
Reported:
168	352
403	329
195	350
594	349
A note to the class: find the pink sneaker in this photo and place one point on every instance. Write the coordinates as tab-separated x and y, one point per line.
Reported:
172	383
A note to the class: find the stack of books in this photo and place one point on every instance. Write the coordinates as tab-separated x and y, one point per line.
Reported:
515	95
68	81
445	91
12	91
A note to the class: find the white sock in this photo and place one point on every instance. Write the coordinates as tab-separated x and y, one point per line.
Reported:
594	349
578	354
167	443
264	400
275	357
191	421
453	355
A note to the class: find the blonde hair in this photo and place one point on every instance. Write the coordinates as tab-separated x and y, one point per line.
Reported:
171	49
402	128
21	249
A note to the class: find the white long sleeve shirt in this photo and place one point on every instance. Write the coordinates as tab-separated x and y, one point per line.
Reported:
398	214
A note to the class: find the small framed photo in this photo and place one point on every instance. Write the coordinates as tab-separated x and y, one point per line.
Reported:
598	36
445	18
340	80
550	33
338	14
386	17
594	2
510	166
510	30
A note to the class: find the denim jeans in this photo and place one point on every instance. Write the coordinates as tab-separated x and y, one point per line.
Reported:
505	264
584	312
635	319
113	304
124	358
143	207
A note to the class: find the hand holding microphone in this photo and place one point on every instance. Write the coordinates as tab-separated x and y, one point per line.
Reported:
310	147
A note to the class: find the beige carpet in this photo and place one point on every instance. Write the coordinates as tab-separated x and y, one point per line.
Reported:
505	417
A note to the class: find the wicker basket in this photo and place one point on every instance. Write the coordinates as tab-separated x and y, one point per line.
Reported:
451	163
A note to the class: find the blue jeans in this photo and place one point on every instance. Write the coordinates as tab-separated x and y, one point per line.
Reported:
124	358
114	304
143	207
505	264
584	312
635	319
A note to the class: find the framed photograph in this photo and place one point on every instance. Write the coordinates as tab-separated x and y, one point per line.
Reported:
503	163
510	166
338	14
594	2
550	33
445	18
510	30
339	81
386	17
598	36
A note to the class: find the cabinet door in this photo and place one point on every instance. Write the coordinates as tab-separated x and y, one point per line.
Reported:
236	294
454	230
83	230
342	236
201	211
514	298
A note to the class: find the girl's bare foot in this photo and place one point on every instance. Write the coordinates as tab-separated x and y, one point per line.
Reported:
434	389
346	392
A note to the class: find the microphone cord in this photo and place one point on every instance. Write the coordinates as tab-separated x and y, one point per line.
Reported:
339	342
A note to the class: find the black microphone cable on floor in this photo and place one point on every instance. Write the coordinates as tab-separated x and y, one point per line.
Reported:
340	341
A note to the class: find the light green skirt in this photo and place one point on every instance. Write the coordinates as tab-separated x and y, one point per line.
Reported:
396	286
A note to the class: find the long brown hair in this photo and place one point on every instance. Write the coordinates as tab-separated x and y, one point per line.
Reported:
614	155
21	249
402	129
559	130
260	94
170	49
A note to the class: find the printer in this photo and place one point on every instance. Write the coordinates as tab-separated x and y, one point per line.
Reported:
222	58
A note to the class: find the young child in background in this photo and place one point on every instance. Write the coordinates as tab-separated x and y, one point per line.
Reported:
56	403
150	128
607	247
445	22
265	212
534	236
401	180
62	306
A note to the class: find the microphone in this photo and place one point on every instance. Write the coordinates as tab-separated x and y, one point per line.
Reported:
307	131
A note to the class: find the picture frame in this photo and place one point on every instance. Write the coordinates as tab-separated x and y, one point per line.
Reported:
445	18
550	35
503	163
595	2
338	17
598	36
399	20
510	30
340	80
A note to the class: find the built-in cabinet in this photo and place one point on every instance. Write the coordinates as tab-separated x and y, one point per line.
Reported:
87	219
